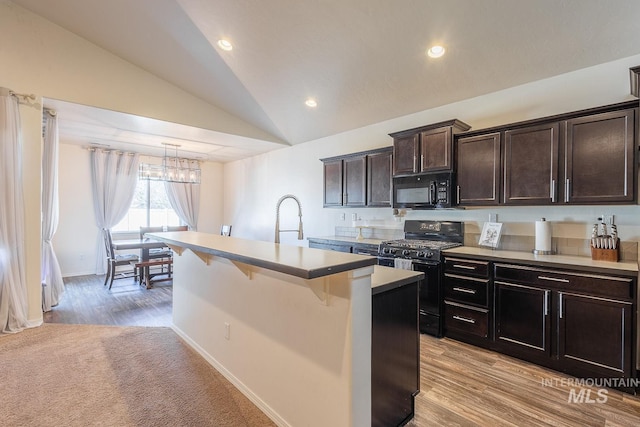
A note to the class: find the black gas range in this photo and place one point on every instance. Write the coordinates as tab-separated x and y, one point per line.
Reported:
420	250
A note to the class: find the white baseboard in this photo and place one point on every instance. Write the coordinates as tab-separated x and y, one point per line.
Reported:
275	417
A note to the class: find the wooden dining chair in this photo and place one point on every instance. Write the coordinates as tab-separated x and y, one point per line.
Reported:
157	253
225	230
115	260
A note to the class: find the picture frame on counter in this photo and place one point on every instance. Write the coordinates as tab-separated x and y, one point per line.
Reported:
490	236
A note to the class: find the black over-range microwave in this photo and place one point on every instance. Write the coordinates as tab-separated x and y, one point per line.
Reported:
430	191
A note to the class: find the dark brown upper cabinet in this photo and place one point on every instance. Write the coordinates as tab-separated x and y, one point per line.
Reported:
355	170
583	157
425	149
358	179
332	183
478	163
599	158
379	178
531	165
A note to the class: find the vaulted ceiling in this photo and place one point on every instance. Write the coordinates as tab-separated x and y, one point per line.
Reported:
362	60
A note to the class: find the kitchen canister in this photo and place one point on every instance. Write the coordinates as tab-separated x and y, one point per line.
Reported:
543	238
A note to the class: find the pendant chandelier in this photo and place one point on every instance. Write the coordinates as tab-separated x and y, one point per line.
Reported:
172	169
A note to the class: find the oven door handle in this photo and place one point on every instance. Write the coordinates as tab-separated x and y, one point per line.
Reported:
427	263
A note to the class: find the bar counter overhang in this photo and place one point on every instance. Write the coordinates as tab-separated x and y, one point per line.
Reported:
289	326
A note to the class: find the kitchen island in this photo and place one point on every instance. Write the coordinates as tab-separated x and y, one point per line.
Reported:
289	326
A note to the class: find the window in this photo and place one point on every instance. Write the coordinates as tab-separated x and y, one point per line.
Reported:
150	208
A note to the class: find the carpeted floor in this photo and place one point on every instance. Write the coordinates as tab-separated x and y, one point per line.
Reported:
85	375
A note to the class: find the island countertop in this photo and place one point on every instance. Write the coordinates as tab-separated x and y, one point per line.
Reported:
306	263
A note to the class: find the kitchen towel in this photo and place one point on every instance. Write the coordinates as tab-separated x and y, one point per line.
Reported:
402	263
543	236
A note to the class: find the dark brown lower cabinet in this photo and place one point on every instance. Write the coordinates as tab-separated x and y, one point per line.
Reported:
395	355
594	334
580	323
522	318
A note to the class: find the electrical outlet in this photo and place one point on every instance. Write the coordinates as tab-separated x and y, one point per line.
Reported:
227	331
493	217
608	219
354	217
343	216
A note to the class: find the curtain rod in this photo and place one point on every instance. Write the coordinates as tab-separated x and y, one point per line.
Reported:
23	98
105	147
50	111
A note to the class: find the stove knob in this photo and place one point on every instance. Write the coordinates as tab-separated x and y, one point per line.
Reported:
421	255
392	251
406	252
428	254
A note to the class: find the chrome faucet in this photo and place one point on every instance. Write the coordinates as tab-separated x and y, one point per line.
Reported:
299	230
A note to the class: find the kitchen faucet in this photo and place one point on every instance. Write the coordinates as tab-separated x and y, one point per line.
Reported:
299	230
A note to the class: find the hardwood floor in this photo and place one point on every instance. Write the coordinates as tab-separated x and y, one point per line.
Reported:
87	301
461	385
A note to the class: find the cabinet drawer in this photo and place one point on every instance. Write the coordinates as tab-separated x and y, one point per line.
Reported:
592	284
466	289
466	267
470	320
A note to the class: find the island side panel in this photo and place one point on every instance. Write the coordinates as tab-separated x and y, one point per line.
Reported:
301	361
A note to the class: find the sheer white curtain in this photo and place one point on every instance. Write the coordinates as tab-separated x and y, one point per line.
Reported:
13	285
185	198
113	177
52	284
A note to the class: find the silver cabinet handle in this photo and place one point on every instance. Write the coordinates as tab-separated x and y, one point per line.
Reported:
546	303
465	290
567	186
554	186
465	267
553	279
464	319
421	161
458	194
560	305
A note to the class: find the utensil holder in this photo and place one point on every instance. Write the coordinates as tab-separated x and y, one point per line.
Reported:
612	255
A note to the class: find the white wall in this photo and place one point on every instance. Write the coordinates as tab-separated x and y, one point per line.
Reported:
253	186
42	58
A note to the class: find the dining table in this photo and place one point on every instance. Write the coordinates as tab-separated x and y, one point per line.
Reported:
145	245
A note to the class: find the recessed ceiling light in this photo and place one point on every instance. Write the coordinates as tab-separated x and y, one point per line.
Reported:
225	44
435	51
311	103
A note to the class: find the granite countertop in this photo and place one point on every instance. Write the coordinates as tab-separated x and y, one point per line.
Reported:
628	268
297	261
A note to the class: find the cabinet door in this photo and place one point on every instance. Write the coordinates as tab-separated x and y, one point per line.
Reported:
405	155
595	334
332	183
436	150
395	355
600	158
355	169
478	165
522	319
379	179
531	165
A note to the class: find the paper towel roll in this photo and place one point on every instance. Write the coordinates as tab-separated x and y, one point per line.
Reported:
543	236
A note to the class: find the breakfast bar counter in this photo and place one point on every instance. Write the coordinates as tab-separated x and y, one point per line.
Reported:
289	326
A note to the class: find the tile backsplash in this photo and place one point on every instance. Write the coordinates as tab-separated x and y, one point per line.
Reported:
560	245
